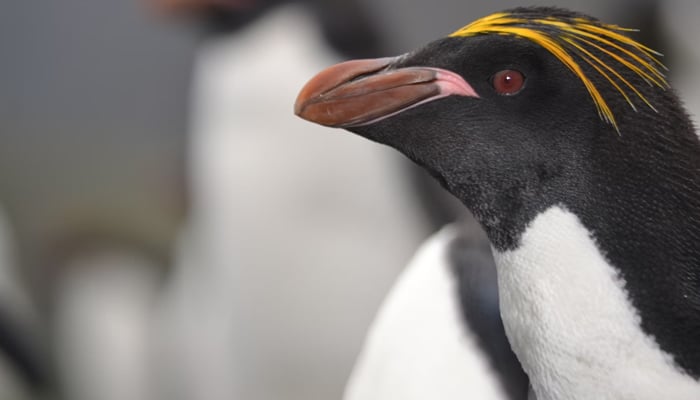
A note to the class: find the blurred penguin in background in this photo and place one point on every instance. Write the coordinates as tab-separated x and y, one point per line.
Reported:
93	116
288	290
93	184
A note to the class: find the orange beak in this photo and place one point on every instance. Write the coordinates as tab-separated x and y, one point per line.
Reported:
362	92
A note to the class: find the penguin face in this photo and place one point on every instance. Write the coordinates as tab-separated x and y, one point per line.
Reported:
513	113
499	137
495	119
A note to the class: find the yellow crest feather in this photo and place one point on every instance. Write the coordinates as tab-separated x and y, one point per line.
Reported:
571	38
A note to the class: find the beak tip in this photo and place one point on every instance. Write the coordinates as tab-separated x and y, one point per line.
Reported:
300	105
309	91
328	79
298	108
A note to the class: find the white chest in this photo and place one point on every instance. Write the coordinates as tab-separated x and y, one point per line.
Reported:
418	347
569	320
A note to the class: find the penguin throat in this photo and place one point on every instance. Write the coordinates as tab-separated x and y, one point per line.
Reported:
502	213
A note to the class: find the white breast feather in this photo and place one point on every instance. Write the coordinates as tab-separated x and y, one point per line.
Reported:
571	323
419	347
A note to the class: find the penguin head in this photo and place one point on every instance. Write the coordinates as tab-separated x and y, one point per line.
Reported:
516	110
514	115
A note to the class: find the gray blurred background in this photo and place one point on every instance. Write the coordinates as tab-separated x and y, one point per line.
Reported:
169	230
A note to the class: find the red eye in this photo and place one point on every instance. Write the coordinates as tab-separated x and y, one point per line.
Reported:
508	82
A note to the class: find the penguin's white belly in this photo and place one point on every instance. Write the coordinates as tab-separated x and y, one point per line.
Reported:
419	347
571	323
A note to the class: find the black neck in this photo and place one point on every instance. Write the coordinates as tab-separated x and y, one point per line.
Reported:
638	193
644	211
